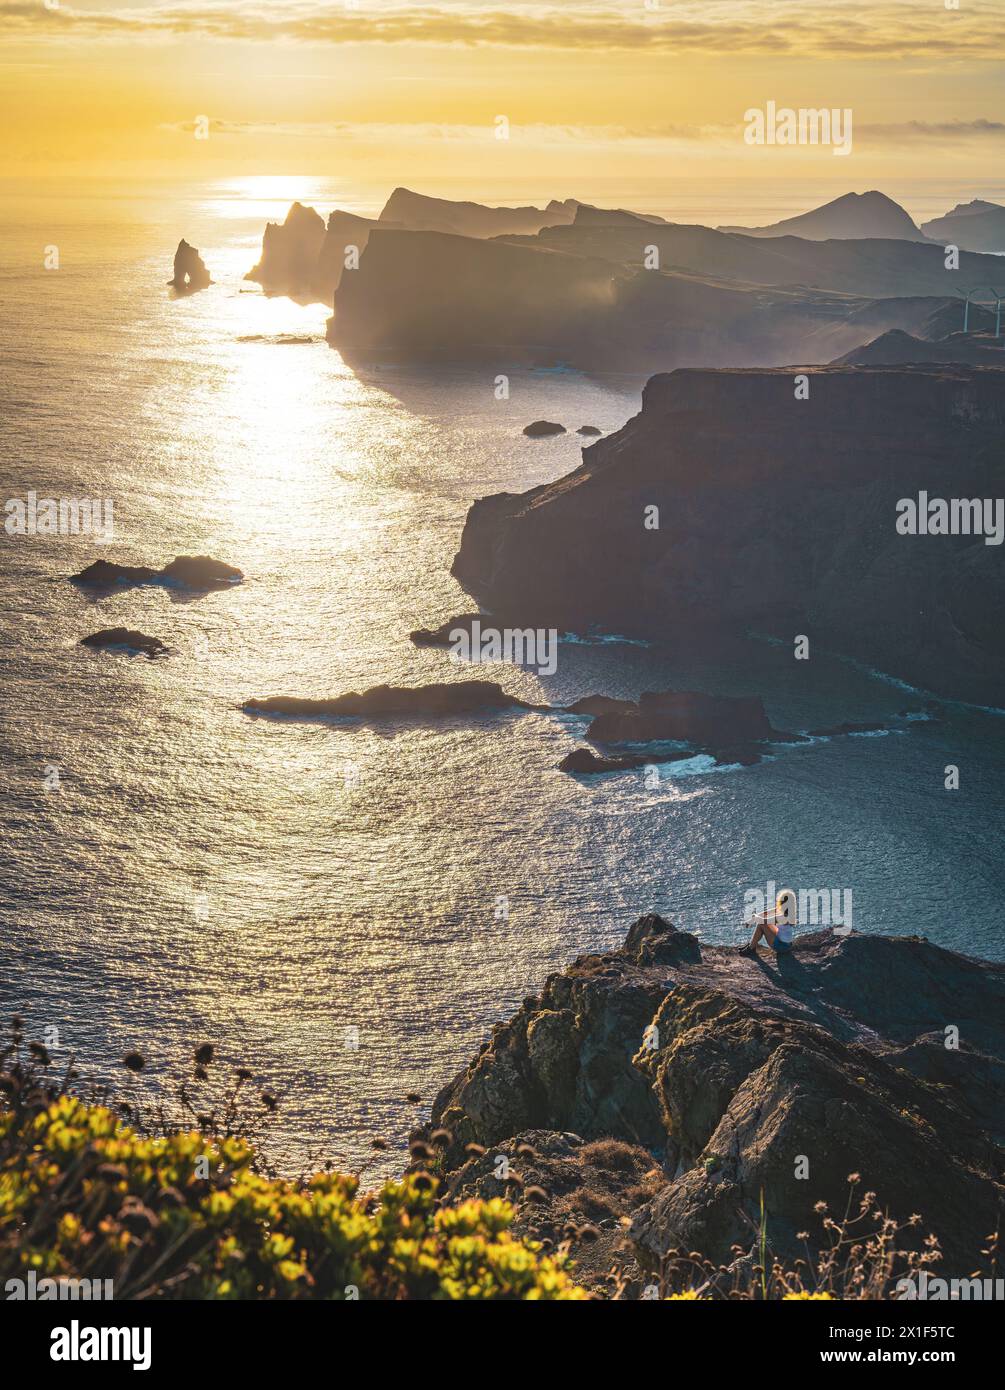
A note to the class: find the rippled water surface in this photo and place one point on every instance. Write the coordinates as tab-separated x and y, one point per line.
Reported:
268	885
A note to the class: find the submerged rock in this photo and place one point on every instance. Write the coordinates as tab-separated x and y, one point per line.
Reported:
125	637
198	572
440	701
442	636
585	761
727	1068
190	271
541	429
684	716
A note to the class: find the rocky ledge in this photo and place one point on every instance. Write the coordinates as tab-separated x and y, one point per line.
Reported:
666	1086
442	700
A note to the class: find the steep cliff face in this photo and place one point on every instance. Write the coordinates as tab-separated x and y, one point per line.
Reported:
305	257
427	296
775	514
728	1070
430	295
290	252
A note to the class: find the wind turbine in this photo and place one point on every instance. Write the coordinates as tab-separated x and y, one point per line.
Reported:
978	289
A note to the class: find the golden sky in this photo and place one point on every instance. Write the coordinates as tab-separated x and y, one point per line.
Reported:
402	92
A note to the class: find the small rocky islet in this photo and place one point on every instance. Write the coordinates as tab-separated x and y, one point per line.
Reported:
195	572
127	639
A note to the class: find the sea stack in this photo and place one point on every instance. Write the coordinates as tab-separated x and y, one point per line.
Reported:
190	271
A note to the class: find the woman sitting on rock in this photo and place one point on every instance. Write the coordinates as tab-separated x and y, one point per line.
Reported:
775	925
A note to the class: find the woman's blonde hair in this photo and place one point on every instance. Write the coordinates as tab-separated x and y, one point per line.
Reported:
787	904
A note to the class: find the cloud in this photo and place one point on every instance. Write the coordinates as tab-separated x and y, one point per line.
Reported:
890	29
944	132
660	139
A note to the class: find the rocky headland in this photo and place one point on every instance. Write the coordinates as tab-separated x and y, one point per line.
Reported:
669	1086
729	505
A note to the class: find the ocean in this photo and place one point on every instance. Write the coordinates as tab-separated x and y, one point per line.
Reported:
347	910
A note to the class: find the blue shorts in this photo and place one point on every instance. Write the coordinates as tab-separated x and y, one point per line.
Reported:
780	947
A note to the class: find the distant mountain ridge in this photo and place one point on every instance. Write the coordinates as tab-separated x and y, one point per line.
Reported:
421	213
852	216
611	289
976	226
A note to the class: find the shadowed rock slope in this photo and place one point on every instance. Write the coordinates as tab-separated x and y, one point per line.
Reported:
777	515
727	1070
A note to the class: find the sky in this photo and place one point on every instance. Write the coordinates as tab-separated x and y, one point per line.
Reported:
394	92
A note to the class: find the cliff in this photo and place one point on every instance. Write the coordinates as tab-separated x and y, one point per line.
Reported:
729	1071
304	257
775	514
428	296
431	295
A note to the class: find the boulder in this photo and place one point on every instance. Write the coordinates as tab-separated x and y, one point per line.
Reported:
542	429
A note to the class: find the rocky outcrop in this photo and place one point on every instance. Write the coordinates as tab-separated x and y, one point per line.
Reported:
741	1077
446	633
976	226
853	215
290	251
441	701
190	273
427	296
774	514
305	258
543	429
126	638
198	572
